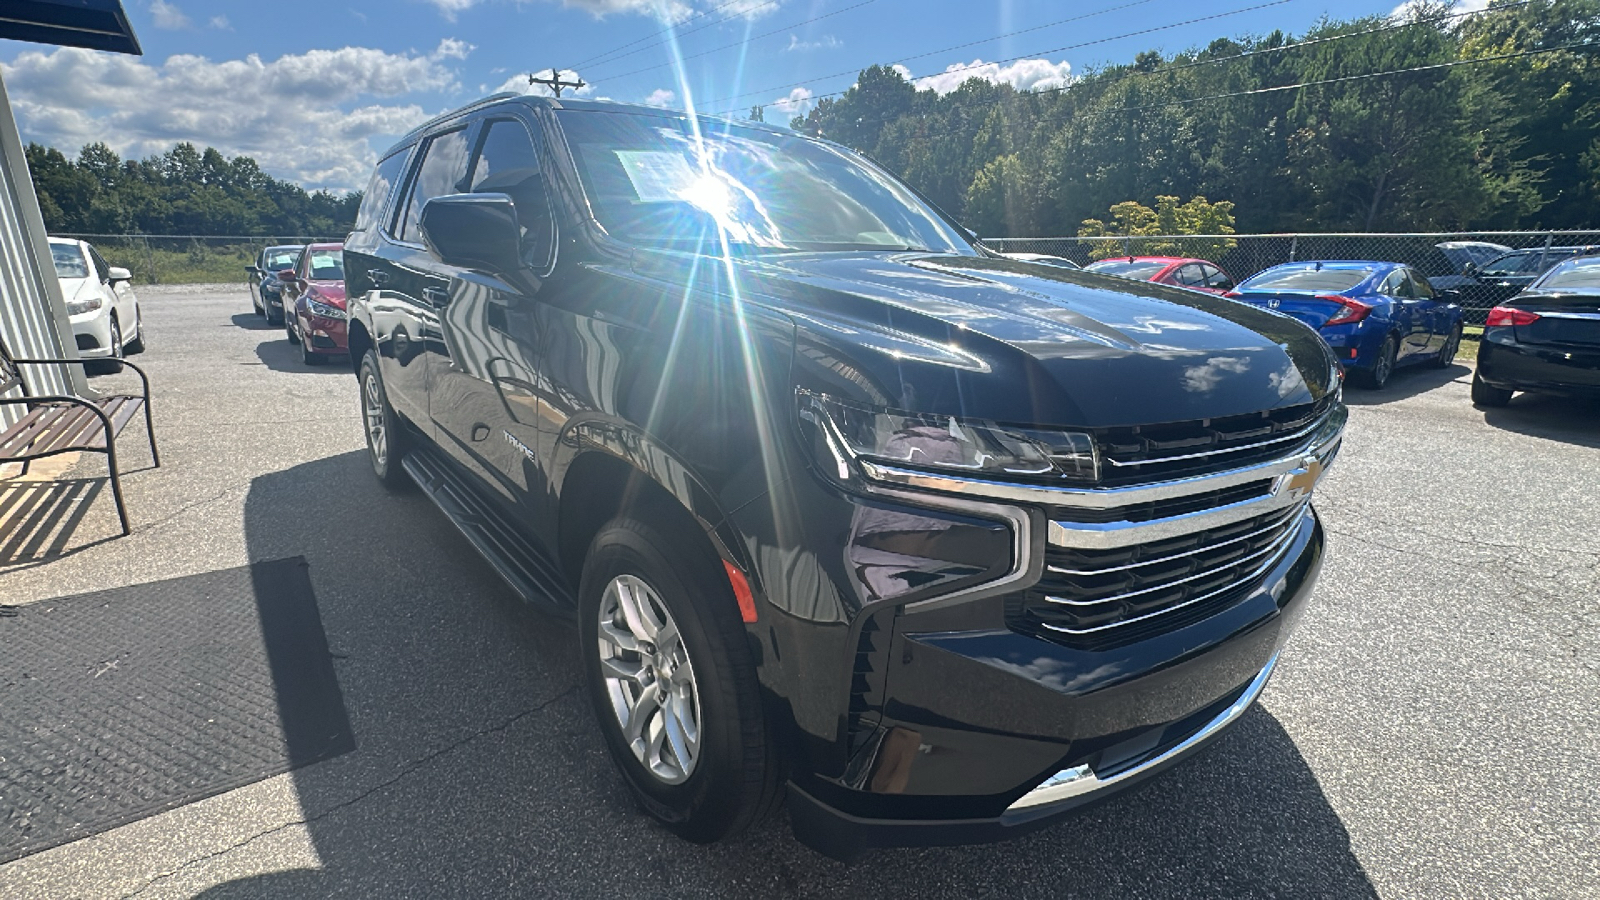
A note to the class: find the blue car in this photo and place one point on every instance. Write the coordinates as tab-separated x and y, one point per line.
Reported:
1376	316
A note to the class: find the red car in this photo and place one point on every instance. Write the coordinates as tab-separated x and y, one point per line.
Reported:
1197	274
313	303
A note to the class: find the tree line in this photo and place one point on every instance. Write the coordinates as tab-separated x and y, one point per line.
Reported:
182	191
1508	141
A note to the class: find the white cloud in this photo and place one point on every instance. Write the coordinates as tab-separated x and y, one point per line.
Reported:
660	97
450	48
798	103
1024	75
670	10
221	23
1405	10
826	42
68	97
168	15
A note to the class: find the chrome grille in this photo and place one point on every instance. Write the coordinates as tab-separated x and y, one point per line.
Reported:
1147	453
1095	597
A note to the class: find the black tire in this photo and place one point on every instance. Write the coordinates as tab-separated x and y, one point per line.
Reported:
733	781
1485	394
1447	353
309	358
273	318
110	366
1378	375
385	461
137	344
258	303
288	329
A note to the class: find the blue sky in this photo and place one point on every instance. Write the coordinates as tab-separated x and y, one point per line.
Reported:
314	89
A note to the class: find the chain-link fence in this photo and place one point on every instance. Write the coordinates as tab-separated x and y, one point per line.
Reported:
1493	277
187	259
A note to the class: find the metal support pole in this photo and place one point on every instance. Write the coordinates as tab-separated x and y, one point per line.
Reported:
1294	246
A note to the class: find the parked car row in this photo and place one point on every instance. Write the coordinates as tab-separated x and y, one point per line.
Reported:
1546	339
302	288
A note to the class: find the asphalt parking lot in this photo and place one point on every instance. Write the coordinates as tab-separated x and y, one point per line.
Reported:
1431	732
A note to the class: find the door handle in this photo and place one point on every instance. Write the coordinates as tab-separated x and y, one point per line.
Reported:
379	277
436	296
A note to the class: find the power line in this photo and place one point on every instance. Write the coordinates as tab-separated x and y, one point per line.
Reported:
1041	53
674	29
1346	78
757	38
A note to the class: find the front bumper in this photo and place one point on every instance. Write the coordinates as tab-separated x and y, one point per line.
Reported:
328	336
92	332
1046	730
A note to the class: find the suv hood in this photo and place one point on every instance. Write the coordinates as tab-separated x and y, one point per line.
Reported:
1010	341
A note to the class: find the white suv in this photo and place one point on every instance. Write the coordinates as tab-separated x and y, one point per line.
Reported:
100	303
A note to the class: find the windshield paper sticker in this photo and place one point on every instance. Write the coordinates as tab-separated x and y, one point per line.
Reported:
656	175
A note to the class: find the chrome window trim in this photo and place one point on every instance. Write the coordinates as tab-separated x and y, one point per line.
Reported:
1081	780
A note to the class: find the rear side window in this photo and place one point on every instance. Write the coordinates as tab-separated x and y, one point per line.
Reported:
444	165
1139	271
1308	279
379	189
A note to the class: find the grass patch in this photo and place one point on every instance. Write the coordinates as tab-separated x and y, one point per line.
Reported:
157	260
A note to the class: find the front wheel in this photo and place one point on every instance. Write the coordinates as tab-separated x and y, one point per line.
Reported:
385	438
137	344
1485	394
672	681
1447	353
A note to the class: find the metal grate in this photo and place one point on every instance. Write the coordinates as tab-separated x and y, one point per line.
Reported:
1098	598
1146	453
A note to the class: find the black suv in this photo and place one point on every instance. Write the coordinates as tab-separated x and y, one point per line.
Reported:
939	543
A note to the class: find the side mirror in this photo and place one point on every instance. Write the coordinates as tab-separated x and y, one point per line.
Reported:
117	273
286	275
1223	285
1470	269
474	231
252	270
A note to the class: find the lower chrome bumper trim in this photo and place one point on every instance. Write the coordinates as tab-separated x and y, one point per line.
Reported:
1080	780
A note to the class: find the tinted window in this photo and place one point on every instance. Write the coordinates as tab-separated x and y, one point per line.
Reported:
1578	274
379	189
1139	271
69	261
508	164
1420	287
1216	278
443	165
99	263
1190	275
1521	263
655	179
1306	279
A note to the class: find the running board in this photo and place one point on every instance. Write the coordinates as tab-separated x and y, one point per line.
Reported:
523	565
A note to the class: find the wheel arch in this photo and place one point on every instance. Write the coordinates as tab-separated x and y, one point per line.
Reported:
358	342
604	468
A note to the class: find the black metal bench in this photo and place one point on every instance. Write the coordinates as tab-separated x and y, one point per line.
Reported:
66	424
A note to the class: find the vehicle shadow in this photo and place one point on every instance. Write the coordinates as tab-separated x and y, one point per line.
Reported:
1565	419
480	770
1406	383
252	322
282	356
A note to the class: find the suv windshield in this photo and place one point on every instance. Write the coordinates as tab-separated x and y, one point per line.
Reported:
69	261
652	180
1306	279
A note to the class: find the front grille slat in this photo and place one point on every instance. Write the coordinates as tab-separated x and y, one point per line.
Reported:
1098	598
1147	453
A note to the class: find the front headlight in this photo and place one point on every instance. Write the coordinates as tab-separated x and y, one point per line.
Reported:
319	308
82	305
973	447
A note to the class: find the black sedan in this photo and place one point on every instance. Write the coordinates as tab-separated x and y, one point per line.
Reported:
1545	339
1506	275
266	293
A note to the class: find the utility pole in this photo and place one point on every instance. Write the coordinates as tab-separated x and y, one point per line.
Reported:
555	83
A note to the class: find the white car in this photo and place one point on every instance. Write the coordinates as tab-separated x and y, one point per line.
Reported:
100	303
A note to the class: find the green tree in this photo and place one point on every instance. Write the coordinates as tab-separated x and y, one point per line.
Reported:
1198	216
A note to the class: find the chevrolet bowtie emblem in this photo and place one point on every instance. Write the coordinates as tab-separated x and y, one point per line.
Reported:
1300	482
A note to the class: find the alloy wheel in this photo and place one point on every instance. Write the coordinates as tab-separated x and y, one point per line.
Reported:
1385	365
372	406
116	340
649	679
